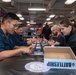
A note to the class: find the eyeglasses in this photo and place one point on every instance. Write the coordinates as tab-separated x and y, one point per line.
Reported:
15	25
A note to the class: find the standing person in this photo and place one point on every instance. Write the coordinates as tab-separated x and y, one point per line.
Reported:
69	33
46	31
8	25
18	39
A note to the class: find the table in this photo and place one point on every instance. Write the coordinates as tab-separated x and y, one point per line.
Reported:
15	66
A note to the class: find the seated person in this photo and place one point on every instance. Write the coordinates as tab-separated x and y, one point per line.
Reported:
8	25
57	39
18	39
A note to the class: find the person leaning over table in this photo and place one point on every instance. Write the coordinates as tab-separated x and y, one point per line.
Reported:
8	25
69	33
18	39
57	39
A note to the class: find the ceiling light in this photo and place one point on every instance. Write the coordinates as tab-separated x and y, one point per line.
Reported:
32	22
48	19
6	0
72	11
21	18
50	22
70	1
36	9
19	15
61	15
51	16
27	22
44	23
72	22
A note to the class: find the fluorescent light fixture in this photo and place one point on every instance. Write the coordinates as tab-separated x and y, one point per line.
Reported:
50	22
51	16
27	22
73	22
61	15
43	25
6	0
48	19
19	15
21	18
32	22
70	1
72	11
36	9
44	22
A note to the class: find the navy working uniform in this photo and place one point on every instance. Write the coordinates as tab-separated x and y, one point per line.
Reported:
18	40
60	39
5	43
71	40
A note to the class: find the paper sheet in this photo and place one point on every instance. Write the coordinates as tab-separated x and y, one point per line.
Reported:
36	67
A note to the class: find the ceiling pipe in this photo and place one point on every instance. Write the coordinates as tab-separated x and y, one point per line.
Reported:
51	3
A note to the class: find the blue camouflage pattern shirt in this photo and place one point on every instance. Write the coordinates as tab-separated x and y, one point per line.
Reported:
5	43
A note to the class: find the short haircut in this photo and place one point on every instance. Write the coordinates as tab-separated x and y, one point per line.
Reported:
55	27
66	22
10	16
20	26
